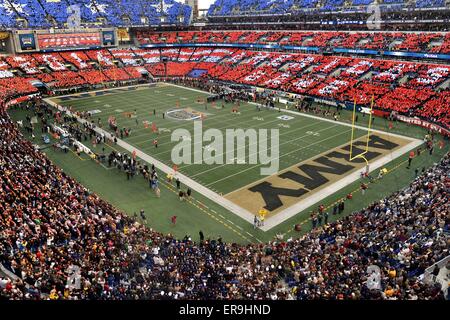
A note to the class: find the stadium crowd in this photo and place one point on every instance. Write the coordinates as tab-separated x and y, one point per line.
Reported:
45	14
50	223
410	42
409	88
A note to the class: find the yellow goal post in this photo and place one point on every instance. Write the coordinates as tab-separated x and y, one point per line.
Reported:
366	150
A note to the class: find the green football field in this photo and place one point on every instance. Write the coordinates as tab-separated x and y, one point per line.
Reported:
300	138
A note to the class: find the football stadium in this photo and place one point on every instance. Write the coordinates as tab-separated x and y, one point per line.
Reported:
224	150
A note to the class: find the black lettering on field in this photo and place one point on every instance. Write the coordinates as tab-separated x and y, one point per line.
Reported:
380	143
271	195
315	177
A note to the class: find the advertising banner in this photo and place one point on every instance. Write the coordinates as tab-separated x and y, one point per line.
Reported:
424	124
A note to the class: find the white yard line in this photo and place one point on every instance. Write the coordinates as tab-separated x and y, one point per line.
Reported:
106	168
250	145
190	123
104	89
259	165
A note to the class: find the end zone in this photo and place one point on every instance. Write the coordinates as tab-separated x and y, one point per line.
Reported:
295	189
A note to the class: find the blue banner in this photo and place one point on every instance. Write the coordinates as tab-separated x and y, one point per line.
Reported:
71	49
416	55
357	51
301	48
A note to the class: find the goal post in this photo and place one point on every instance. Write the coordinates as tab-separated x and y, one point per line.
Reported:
366	149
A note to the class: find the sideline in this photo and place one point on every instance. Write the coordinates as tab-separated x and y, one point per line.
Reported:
213	196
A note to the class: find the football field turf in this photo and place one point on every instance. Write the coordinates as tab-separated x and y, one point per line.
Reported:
301	139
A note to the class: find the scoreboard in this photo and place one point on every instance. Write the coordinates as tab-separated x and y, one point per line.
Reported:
46	41
27	41
69	40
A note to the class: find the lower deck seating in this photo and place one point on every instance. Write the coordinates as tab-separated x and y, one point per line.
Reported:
412	88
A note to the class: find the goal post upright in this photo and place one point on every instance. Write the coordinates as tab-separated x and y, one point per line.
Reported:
361	155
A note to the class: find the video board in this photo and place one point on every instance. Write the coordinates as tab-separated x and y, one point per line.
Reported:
48	41
68	40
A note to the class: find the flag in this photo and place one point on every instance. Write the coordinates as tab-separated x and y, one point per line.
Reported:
154	128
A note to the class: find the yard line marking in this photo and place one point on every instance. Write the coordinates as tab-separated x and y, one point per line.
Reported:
201	142
281	156
120	90
111	97
159	105
286	133
139	143
258	165
215	118
188	124
106	168
171	124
